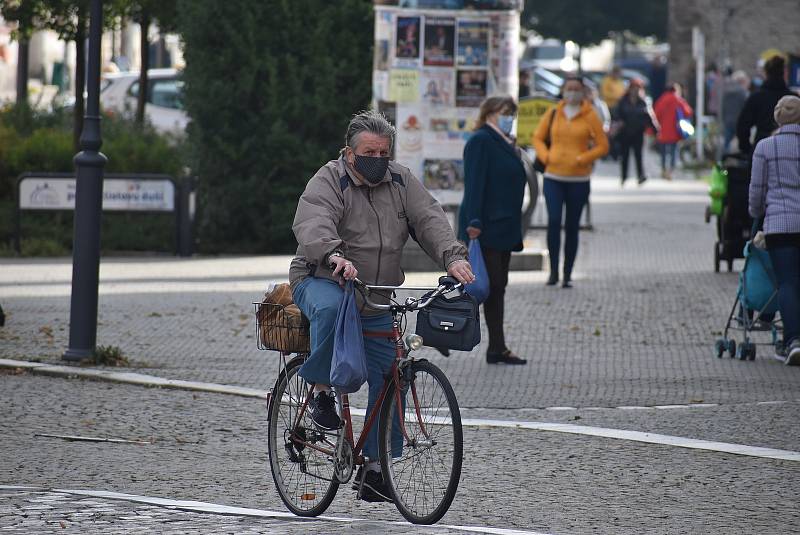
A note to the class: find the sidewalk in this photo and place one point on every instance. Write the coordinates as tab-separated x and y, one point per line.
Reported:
637	329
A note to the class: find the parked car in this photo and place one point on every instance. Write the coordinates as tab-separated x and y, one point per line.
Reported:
544	82
164	107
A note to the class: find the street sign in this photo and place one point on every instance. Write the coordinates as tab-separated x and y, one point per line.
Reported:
119	194
531	110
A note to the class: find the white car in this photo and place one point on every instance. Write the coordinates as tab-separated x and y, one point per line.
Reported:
164	107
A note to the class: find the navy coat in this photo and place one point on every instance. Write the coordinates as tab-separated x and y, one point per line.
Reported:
494	184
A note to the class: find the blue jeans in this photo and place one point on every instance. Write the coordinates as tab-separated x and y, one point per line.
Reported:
786	264
557	194
668	149
319	300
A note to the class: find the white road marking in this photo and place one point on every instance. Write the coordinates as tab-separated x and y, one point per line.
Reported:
620	434
206	507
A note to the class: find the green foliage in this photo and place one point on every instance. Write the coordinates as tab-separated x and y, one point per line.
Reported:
31	141
107	356
270	87
588	23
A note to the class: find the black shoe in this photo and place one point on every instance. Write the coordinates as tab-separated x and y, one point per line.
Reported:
506	357
323	411
374	488
552	280
642	180
793	353
566	284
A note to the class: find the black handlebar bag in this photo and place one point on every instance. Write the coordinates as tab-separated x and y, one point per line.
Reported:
450	323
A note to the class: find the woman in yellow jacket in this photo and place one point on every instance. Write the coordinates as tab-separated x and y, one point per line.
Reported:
568	140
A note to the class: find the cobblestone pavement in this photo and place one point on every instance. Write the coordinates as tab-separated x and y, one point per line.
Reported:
637	330
211	448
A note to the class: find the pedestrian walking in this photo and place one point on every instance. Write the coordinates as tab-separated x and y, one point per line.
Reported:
491	211
635	115
354	218
568	140
775	196
759	106
733	99
669	109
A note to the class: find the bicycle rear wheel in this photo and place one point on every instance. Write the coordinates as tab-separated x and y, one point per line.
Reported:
303	475
423	470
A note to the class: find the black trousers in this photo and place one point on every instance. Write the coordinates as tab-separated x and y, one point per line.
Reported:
497	267
626	144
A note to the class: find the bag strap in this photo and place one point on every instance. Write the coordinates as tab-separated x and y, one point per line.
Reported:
547	140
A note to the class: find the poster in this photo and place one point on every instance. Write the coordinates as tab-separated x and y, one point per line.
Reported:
470	88
404	85
443	174
384	24
440	41
410	131
530	113
473	43
437	87
381	60
407	38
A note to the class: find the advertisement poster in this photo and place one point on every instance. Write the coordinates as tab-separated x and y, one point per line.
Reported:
380	85
404	85
410	130
473	43
529	114
407	39
470	88
440	41
440	174
384	24
437	87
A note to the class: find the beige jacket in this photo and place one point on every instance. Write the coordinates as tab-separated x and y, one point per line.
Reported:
369	224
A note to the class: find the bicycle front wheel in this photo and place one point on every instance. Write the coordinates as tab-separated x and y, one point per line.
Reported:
422	464
303	472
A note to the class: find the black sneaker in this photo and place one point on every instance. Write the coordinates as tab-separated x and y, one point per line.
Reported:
374	488
506	357
323	411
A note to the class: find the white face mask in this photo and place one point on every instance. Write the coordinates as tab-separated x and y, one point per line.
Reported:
573	97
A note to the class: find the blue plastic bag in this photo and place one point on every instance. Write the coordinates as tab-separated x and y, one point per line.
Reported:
480	288
349	363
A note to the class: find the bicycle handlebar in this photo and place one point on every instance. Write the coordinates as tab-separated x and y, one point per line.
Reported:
411	303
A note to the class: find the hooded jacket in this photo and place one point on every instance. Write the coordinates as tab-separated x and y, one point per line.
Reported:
666	111
369	224
757	111
569	153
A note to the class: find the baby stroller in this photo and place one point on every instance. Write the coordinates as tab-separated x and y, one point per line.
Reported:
729	203
755	305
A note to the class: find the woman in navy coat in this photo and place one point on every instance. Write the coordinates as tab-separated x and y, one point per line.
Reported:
494	185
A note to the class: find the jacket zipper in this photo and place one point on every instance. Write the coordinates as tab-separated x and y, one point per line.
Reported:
380	235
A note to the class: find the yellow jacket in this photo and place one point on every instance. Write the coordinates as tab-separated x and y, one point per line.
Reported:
611	90
574	143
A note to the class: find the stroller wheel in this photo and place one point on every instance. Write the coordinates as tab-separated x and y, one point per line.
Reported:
731	348
751	352
719	347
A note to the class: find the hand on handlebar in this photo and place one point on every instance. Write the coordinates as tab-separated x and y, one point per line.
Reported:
344	268
461	271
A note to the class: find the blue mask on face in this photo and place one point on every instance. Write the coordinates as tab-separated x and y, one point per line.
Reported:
504	123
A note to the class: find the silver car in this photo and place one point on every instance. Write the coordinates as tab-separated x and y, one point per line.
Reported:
164	107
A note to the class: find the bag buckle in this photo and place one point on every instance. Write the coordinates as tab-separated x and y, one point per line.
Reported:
446	324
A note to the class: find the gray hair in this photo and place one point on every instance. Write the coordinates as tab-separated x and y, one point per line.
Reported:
370	121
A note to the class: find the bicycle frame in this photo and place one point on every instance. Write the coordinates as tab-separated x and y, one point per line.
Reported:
394	376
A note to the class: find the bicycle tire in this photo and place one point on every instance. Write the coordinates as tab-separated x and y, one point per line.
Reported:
441	419
300	498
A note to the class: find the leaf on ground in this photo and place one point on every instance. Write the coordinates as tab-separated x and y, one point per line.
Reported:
154	315
596	332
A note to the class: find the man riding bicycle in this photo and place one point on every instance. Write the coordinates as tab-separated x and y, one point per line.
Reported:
354	218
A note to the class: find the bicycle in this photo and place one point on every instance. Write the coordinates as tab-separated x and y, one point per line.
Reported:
309	463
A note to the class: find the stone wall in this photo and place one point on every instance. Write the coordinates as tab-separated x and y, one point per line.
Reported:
745	28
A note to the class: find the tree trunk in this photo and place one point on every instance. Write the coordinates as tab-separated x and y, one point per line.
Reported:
80	78
144	44
22	72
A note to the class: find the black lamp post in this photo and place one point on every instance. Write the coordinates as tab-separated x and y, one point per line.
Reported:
89	163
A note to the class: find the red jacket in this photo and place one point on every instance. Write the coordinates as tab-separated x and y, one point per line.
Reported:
666	110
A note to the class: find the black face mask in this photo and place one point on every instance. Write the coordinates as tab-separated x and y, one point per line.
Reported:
372	168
